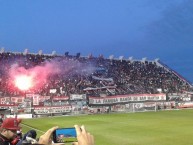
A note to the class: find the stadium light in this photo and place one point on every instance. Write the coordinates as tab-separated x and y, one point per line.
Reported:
53	53
144	59
121	57
40	52
130	58
111	57
26	51
157	62
157	59
2	50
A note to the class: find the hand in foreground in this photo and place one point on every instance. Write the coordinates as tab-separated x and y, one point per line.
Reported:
83	137
46	138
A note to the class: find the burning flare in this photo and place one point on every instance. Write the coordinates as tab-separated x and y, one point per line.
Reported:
23	82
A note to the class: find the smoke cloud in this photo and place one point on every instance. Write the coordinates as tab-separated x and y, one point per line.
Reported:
41	74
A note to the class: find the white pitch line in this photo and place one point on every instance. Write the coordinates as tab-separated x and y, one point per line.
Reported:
33	128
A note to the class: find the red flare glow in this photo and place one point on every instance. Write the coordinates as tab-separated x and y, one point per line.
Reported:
23	82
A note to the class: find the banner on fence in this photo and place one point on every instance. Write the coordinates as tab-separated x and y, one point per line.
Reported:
77	97
126	98
47	110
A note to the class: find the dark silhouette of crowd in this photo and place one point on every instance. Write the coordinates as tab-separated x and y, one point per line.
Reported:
94	76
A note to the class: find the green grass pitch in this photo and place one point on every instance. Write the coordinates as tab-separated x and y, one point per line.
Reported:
147	128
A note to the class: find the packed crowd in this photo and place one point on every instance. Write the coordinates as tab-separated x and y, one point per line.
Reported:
94	76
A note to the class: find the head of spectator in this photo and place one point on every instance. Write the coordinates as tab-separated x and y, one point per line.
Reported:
9	129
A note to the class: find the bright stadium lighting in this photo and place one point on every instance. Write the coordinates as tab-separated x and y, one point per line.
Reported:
23	82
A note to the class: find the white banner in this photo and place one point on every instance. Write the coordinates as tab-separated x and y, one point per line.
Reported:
64	98
47	110
103	79
77	97
185	105
127	98
5	100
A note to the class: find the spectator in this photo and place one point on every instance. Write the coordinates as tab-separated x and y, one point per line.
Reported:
28	137
8	131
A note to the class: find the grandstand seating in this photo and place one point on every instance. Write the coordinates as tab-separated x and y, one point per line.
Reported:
94	76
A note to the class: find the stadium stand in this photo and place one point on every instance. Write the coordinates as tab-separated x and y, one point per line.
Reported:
107	76
90	76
